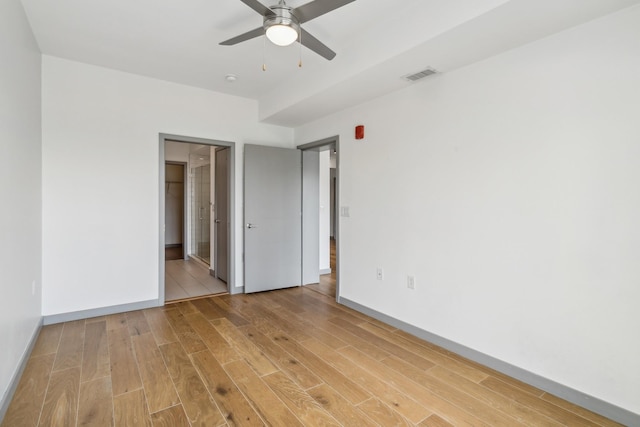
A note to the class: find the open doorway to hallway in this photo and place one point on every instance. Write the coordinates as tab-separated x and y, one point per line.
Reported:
196	233
320	171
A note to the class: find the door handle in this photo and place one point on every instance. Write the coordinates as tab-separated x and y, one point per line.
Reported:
217	221
249	225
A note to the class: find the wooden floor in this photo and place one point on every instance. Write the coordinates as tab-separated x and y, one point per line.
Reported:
284	358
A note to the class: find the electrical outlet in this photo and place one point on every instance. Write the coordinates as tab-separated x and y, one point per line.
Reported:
411	282
379	273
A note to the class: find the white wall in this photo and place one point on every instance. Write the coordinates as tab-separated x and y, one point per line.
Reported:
100	229
509	188
325	210
20	189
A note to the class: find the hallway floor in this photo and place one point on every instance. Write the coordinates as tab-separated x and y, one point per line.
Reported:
189	279
327	285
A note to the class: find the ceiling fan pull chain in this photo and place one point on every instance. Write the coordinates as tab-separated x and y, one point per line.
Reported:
264	48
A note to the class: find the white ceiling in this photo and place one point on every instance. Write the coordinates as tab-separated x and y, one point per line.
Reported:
376	41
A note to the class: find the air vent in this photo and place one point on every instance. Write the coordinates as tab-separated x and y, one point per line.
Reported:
420	75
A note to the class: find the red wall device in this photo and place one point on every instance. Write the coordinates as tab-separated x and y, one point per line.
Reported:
360	132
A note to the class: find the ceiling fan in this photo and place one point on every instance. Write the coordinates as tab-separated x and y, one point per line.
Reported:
281	24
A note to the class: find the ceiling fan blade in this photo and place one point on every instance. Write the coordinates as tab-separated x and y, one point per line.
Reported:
316	45
258	7
312	10
244	37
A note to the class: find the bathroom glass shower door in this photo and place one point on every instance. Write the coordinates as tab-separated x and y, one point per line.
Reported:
201	212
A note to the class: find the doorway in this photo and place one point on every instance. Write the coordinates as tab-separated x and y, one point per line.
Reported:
320	218
206	263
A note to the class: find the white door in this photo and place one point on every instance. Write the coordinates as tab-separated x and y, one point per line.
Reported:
272	218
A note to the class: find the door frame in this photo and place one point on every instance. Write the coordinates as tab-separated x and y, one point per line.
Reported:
316	145
163	138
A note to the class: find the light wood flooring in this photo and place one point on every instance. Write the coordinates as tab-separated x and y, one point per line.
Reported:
291	357
189	279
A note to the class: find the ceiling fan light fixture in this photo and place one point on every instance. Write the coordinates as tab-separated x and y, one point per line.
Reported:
282	34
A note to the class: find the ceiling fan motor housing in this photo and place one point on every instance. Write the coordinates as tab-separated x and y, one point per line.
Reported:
282	16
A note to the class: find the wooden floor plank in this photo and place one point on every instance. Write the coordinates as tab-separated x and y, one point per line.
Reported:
449	393
61	401
305	407
430	400
159	325
189	339
382	414
69	353
544	407
418	346
130	409
299	373
170	417
389	346
198	404
279	298
234	407
116	321
313	331
340	382
387	394
95	358
251	354
212	338
285	325
339	407
124	369
208	309
137	323
435	421
186	307
520	412
323	324
157	383
230	314
48	340
95	407
584	413
28	399
270	408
